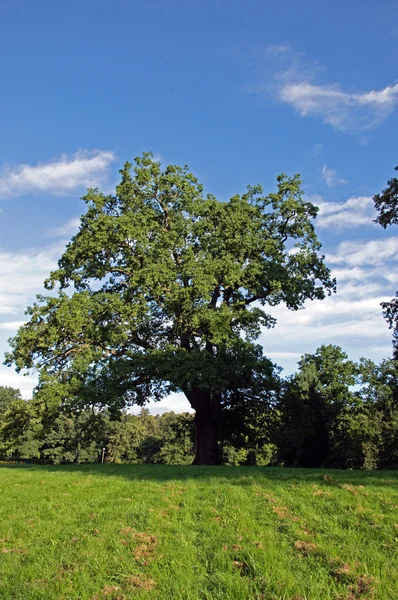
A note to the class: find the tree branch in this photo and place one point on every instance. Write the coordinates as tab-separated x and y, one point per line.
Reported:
254	298
227	295
283	229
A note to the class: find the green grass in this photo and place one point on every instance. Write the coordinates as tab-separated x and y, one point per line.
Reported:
146	531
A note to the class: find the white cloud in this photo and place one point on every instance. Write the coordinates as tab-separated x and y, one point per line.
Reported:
283	355
62	175
21	278
355	325
371	286
22	275
354	212
372	252
330	177
25	383
366	274
11	325
294	84
352	274
176	402
5	309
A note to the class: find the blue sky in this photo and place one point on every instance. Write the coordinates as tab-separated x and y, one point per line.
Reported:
240	92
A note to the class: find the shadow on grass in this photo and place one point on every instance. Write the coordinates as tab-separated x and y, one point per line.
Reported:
233	475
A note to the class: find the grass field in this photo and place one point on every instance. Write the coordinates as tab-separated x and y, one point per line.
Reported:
94	532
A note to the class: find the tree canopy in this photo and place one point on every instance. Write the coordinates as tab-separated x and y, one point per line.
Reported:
164	288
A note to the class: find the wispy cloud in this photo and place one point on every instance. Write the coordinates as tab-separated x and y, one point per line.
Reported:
295	85
354	212
69	228
330	177
317	149
62	175
343	110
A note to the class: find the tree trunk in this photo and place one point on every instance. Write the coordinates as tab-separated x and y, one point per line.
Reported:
207	410
206	442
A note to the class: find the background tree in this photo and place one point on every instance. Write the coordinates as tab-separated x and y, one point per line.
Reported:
337	413
379	394
20	430
7	396
176	439
386	204
390	312
133	438
312	403
169	292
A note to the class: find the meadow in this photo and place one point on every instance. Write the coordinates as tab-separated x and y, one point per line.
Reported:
107	532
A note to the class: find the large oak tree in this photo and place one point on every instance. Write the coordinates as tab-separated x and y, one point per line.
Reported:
164	288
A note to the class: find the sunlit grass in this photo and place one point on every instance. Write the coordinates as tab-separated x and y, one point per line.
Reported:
118	532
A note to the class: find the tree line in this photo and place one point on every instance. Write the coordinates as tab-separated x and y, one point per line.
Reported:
332	412
166	289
